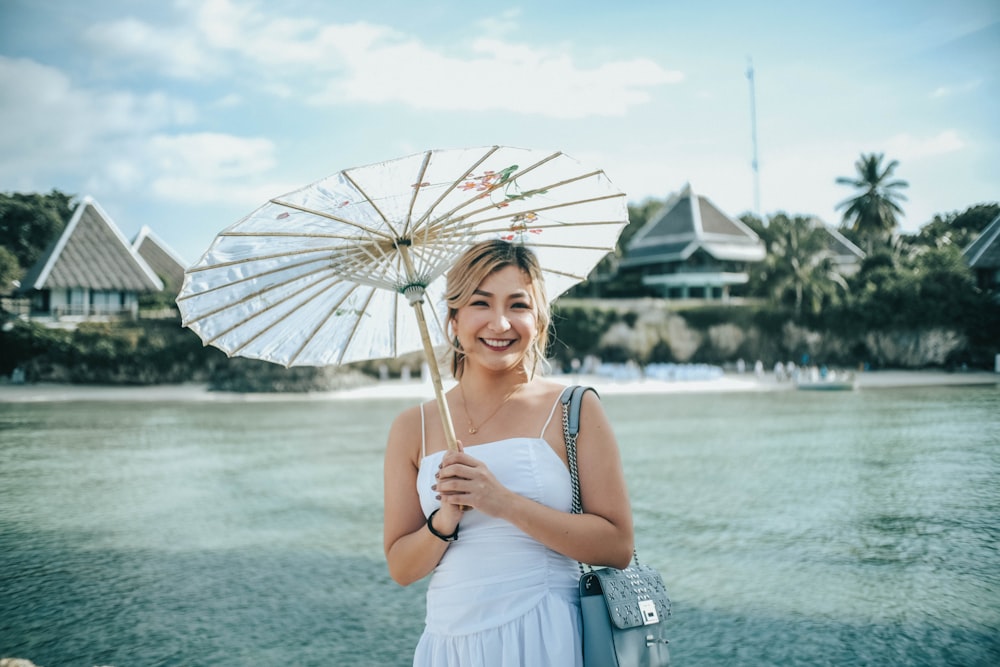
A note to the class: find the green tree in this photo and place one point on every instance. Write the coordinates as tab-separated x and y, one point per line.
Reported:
10	270
872	211
30	222
954	229
798	270
577	330
922	290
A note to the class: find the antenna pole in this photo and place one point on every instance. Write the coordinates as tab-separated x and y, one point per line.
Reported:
753	139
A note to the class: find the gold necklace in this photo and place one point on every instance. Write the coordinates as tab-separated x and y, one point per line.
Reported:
473	429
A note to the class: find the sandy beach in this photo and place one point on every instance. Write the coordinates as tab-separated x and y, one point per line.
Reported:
419	389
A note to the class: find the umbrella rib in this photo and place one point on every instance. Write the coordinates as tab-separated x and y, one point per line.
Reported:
566	204
456	183
260	292
395	233
298	235
270	326
316	329
557	225
488	191
568	246
354	329
393	238
256	276
435	256
375	270
556	272
411	226
259	258
367	230
547	188
416	190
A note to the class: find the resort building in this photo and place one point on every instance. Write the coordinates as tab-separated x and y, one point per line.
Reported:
168	267
692	250
846	256
983	257
90	272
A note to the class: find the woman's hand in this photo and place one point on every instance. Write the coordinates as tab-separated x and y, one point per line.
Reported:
465	482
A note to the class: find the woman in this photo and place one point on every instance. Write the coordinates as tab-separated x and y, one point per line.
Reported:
492	521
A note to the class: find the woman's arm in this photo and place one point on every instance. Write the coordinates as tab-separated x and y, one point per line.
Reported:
411	551
602	535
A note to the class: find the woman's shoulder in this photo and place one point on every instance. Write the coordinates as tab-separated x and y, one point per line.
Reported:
551	390
547	387
406	430
410	419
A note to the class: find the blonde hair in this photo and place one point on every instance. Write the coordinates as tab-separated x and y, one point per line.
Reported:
472	268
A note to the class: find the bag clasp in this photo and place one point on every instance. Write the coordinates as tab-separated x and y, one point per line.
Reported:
648	610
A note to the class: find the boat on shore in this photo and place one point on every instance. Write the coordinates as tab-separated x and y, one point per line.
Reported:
827	385
826	381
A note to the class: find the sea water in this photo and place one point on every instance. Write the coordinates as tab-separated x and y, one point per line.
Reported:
791	528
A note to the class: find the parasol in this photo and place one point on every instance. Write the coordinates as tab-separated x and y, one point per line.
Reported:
325	275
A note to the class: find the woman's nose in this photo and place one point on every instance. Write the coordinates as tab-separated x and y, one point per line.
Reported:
499	322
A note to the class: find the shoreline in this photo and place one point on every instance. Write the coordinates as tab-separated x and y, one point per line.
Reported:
419	389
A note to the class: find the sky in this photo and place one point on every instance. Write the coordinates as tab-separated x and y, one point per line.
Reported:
186	115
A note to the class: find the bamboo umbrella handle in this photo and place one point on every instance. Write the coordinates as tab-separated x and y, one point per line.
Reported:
414	293
449	427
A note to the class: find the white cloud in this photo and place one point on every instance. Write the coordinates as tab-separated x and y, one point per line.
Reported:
503	24
908	147
134	44
371	64
120	141
210	167
50	124
497	75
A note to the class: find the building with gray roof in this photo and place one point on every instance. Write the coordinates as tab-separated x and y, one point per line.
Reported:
167	265
983	257
690	249
91	271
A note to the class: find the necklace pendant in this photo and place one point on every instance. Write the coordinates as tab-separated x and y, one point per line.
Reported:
473	430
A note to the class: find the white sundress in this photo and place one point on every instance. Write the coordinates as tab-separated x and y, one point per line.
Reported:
499	598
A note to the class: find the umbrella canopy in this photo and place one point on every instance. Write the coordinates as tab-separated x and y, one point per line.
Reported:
326	274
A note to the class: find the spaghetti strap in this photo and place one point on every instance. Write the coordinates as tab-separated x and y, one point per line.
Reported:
552	412
423	434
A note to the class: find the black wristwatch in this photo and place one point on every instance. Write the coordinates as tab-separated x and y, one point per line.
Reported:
430	526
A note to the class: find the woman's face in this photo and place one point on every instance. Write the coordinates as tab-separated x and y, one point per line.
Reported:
498	325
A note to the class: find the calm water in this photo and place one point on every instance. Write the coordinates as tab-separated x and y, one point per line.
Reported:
792	529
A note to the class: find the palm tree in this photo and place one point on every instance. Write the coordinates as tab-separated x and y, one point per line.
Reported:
872	211
798	268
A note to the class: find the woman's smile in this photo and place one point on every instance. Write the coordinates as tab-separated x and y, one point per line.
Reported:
497	344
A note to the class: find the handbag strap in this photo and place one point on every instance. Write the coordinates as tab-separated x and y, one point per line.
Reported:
572	399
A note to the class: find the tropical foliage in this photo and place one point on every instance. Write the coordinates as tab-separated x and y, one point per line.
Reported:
872	211
30	222
10	270
798	270
955	229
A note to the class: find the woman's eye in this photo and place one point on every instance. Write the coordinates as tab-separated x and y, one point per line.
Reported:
478	303
522	305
